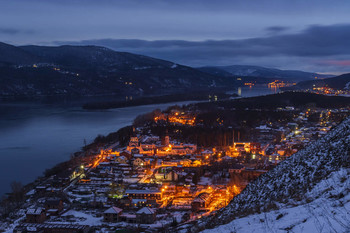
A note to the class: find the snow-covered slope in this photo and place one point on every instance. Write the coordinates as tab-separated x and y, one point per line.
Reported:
313	181
328	212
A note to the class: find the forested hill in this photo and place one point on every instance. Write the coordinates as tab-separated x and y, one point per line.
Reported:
339	82
93	70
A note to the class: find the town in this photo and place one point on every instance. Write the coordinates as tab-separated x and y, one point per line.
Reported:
325	90
157	181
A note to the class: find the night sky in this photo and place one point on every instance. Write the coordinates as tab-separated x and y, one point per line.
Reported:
312	35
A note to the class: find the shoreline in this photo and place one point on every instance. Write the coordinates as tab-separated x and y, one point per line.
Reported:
162	99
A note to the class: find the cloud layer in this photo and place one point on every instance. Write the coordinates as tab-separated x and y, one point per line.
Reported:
304	50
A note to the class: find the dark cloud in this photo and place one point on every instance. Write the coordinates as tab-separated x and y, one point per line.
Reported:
276	29
14	31
281	50
314	41
10	31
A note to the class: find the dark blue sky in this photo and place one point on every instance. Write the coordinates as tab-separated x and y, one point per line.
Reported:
311	35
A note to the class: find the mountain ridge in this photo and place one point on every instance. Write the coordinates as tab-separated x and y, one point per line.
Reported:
259	71
94	70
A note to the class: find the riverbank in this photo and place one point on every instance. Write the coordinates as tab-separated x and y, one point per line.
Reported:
129	101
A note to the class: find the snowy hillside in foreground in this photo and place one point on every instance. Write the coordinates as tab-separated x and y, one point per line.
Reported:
308	178
330	212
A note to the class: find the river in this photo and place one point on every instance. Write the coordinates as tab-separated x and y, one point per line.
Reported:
36	135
